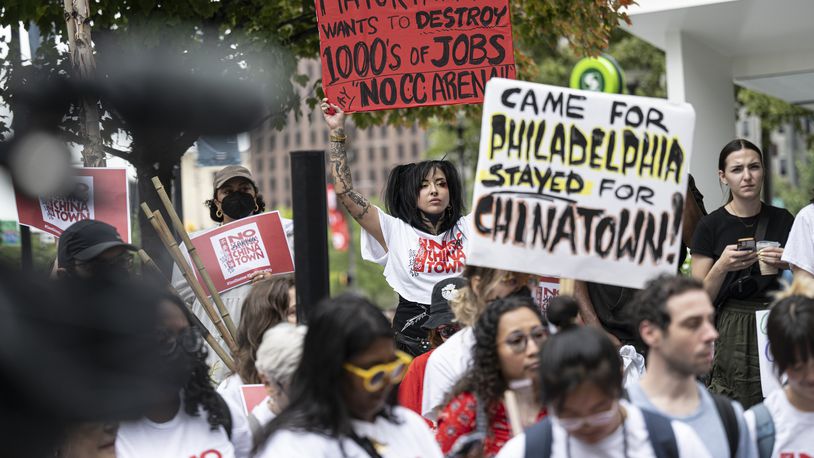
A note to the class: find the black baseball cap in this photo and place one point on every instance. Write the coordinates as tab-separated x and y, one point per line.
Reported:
86	239
442	292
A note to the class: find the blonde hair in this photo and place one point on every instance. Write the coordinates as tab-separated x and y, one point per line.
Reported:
468	304
801	286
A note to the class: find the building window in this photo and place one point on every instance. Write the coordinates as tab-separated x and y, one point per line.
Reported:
287	183
298	139
400	151
273	163
385	172
259	164
414	129
272	139
324	135
384	153
272	184
399	130
371	154
383	131
288	203
371	175
312	137
285	161
356	176
414	150
783	168
286	140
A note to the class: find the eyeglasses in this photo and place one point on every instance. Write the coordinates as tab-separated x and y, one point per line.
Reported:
518	341
189	339
447	330
376	377
598	419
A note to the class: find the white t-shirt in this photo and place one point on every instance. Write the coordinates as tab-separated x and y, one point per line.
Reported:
184	436
262	413
800	245
638	441
410	438
794	429
416	260
229	388
445	366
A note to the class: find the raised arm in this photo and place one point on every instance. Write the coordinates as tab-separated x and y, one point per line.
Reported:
357	205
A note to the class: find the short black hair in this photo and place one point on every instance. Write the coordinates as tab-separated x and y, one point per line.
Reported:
789	328
578	355
650	303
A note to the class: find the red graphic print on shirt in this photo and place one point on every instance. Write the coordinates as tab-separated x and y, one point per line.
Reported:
438	257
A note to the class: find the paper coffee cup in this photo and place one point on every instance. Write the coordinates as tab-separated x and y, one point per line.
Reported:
766	269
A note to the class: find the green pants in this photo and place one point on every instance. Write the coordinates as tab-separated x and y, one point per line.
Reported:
736	366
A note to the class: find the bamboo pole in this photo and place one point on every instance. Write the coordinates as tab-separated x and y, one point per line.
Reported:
172	246
567	286
193	254
210	339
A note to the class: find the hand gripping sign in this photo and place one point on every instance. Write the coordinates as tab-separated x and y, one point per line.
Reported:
94	193
384	54
578	184
234	251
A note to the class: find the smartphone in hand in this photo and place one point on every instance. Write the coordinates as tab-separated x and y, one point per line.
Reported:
747	244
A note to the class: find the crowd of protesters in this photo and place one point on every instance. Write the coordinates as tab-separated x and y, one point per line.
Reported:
471	365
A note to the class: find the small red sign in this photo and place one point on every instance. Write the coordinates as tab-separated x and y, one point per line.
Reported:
233	251
94	193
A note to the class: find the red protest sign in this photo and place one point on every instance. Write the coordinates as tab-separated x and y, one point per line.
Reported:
233	251
252	395
94	193
385	54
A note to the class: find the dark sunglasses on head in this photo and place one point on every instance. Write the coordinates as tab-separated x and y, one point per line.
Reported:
447	330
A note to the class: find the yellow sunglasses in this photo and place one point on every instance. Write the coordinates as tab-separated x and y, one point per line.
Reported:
374	377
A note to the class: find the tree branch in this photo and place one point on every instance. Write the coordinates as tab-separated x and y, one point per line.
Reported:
72	137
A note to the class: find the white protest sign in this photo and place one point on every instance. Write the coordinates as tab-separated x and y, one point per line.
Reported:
768	379
579	184
66	209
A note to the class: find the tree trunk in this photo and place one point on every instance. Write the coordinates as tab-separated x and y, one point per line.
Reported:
147	193
80	47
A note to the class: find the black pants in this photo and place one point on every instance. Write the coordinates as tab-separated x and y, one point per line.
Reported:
410	336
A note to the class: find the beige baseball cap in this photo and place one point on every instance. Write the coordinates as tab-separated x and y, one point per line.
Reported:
232	171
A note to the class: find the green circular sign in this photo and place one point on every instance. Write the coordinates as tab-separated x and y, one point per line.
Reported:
598	74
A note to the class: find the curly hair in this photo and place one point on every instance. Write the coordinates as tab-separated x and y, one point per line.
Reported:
213	208
198	390
484	377
265	306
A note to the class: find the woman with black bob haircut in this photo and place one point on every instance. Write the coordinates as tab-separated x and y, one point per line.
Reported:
190	417
338	396
581	385
782	424
726	248
508	337
419	241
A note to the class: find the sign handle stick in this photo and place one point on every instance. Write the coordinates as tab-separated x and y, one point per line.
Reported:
513	412
567	286
193	254
186	270
210	339
230	340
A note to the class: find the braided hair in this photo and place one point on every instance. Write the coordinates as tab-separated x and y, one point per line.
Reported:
484	377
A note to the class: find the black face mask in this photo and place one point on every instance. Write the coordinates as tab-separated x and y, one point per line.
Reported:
238	205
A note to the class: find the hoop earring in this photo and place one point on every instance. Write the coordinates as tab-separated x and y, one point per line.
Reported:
256	207
219	213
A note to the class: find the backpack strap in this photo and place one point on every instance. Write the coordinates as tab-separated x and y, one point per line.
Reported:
227	415
764	430
539	437
662	436
730	421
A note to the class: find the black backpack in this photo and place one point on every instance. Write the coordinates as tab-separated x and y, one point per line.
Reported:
540	436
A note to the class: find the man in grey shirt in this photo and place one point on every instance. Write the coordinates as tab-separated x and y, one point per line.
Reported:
675	319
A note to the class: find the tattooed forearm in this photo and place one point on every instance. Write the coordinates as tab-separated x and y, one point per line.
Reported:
356	204
359	203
